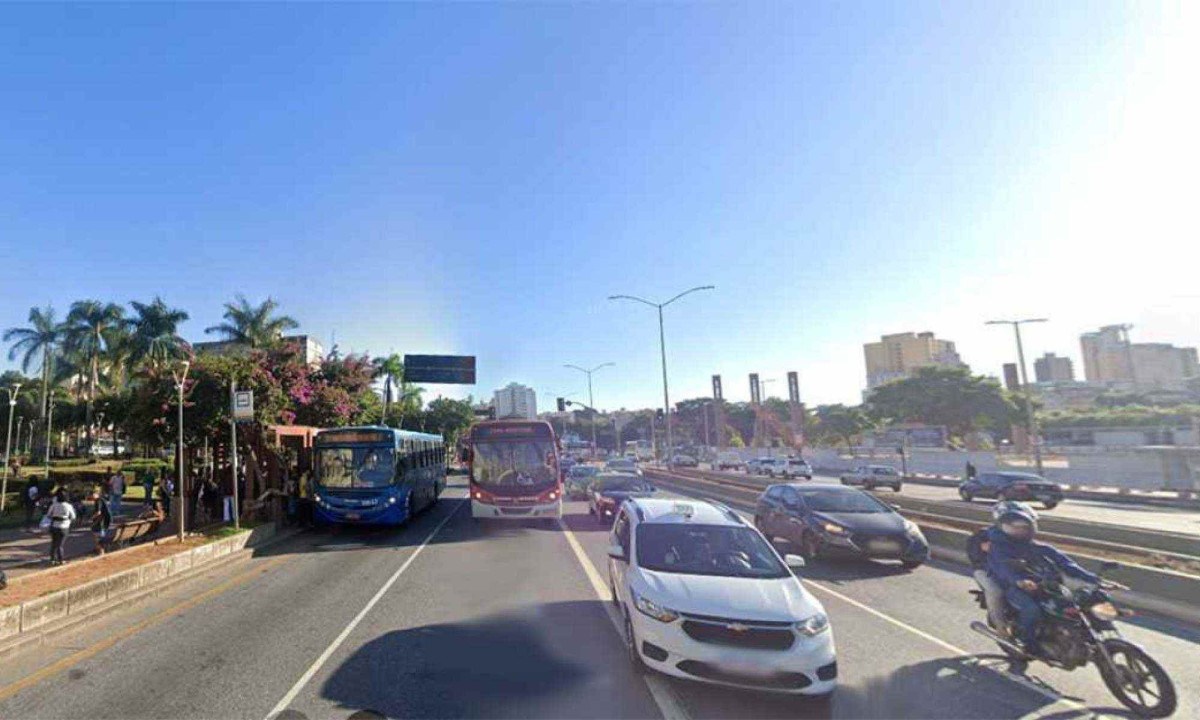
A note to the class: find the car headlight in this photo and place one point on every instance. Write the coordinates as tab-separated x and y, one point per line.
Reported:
1104	611
911	528
654	610
833	528
317	498
814	625
392	500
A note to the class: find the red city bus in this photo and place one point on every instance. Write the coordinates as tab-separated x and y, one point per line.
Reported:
514	472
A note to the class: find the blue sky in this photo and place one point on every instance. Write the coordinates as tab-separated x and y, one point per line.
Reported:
478	178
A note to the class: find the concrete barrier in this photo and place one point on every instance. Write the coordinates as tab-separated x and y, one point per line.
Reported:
124	583
10	621
46	609
156	571
88	595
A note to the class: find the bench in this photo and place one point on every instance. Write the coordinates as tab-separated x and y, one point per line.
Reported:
127	533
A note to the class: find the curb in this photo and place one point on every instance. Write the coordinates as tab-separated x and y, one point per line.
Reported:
41	619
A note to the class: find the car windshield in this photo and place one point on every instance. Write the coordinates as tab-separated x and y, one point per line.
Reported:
620	484
796	462
584	471
843	501
622	465
730	551
883	471
523	464
355	467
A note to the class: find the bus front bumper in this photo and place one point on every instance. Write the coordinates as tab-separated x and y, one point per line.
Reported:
515	512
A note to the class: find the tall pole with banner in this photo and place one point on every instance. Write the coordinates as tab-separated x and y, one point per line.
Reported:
755	400
795	407
719	411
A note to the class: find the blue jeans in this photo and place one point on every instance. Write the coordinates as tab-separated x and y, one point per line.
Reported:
114	503
1029	614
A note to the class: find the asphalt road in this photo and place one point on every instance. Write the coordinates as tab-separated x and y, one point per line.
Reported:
508	621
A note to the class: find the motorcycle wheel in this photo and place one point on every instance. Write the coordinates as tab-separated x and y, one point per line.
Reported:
1137	680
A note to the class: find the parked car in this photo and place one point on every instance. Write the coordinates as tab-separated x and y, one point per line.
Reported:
832	520
681	460
756	466
1012	486
703	596
609	490
579	478
730	461
873	476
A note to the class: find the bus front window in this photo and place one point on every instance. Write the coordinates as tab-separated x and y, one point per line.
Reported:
355	467
514	465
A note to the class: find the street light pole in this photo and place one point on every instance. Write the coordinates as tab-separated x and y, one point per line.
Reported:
591	398
12	405
1030	420
180	379
662	344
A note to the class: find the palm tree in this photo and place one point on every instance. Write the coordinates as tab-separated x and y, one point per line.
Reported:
257	327
156	332
39	338
90	333
391	369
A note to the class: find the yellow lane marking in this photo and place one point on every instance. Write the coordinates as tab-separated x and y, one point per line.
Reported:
660	691
76	658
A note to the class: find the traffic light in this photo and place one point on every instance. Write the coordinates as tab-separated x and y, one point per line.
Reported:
658	414
562	405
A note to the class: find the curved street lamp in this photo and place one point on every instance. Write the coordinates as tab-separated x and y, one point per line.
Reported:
12	405
662	343
591	398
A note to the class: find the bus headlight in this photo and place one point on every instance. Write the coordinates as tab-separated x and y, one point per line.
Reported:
392	500
318	499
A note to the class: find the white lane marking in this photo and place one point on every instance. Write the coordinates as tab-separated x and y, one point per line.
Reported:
337	642
1024	682
660	691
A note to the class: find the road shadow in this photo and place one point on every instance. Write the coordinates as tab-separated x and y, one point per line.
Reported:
585	522
550	660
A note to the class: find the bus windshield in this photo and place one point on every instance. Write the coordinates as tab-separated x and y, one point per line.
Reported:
520	465
355	467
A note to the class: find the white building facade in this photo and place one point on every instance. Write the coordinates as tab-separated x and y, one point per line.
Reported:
515	401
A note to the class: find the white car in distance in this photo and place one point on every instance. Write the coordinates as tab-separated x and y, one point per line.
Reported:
704	596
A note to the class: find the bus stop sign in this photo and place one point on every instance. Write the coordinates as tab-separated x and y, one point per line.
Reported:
440	369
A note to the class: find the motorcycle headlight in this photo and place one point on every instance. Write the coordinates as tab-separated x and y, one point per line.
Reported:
654	610
1104	611
833	528
814	625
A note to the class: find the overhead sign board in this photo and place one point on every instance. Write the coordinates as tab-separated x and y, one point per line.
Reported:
440	369
243	405
717	394
793	386
755	389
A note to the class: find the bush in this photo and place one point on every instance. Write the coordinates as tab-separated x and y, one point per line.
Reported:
70	462
143	464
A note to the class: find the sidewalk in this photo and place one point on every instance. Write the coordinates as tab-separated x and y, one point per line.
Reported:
23	552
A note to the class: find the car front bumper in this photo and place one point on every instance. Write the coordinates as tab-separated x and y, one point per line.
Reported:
908	548
808	667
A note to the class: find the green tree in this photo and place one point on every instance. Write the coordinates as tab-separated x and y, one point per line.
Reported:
155	332
39	338
839	423
946	396
448	418
256	326
91	330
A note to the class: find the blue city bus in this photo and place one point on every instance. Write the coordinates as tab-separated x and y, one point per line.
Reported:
375	475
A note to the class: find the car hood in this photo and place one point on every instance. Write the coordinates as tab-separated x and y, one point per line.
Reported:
775	599
623	494
866	522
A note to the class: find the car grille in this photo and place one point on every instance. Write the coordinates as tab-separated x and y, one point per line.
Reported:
778	681
736	634
875	544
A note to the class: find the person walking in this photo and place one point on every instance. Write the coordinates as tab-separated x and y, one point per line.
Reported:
61	514
101	519
166	488
30	498
116	490
148	487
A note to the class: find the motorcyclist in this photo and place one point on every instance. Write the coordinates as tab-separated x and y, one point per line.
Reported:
977	552
1010	559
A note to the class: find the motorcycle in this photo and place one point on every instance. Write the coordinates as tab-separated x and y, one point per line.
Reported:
1078	628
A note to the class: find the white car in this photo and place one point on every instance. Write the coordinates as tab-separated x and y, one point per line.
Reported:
785	468
730	461
873	476
704	596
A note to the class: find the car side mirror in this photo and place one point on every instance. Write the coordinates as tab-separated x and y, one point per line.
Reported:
894	506
795	562
616	552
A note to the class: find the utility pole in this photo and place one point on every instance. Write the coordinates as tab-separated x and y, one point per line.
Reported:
180	379
233	455
1030	420
662	343
12	405
591	398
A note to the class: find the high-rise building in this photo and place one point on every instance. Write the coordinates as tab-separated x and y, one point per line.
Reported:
897	356
1052	368
515	401
1109	358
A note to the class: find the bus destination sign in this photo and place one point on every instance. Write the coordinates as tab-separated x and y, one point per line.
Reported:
337	437
510	431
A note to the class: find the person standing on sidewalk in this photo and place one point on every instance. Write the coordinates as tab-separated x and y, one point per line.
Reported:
148	487
116	490
101	519
166	488
61	514
30	497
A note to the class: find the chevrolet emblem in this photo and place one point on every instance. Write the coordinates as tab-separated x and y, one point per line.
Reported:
737	627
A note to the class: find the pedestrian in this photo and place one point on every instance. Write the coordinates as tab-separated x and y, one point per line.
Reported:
970	470
101	519
116	490
164	490
30	497
61	514
148	487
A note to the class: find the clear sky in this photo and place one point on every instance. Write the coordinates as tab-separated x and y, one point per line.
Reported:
478	178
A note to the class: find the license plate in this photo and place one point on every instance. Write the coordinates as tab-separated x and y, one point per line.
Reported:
748	670
353	516
883	546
